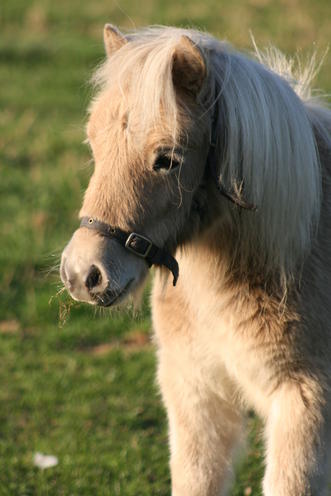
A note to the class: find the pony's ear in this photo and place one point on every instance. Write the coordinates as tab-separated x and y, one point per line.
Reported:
188	66
113	39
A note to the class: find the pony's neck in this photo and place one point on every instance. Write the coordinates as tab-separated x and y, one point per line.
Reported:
214	233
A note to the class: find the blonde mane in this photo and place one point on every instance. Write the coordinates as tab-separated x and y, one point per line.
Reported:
266	144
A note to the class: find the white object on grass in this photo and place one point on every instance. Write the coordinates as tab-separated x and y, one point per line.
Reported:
44	461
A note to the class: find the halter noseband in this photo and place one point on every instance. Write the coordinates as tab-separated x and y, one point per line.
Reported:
139	245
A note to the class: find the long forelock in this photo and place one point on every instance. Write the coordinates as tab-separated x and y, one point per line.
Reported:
142	70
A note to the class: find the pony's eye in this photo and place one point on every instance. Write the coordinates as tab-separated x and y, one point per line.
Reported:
165	163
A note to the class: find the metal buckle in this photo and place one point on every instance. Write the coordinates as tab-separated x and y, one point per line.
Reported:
131	238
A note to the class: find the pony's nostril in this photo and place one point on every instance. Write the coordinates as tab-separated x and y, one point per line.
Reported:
94	278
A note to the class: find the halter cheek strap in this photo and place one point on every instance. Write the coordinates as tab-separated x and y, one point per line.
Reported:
139	245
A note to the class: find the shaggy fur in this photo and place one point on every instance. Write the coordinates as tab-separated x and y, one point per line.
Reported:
248	322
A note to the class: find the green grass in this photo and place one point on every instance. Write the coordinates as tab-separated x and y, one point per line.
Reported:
81	385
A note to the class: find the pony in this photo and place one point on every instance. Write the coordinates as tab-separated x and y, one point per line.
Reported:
214	166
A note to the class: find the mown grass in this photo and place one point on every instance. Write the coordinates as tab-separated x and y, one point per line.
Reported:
80	385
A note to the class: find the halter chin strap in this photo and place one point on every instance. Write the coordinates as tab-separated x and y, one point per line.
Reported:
139	245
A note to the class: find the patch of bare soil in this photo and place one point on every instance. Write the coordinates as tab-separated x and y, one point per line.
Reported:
9	326
135	341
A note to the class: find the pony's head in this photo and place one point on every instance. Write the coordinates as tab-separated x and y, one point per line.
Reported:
149	135
164	95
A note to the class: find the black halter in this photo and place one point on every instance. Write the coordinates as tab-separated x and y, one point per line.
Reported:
143	247
139	245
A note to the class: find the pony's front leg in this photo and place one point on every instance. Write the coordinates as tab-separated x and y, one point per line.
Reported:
203	428
297	442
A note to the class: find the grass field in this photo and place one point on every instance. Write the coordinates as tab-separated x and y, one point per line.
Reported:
75	383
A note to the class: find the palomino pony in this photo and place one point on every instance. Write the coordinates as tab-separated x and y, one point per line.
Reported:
216	169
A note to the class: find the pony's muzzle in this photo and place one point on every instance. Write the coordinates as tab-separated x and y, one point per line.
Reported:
98	270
